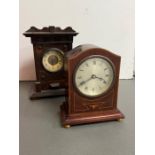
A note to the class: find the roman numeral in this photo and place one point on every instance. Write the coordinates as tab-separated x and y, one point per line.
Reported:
104	82
87	65
100	87
79	77
86	88
94	62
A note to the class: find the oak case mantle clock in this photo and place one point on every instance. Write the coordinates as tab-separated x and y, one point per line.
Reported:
49	46
93	76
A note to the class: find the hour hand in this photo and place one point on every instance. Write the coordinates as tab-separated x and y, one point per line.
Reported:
101	79
81	83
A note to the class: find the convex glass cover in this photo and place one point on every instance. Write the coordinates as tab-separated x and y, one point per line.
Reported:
94	76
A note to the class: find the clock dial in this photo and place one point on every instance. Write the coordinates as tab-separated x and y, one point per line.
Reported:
53	60
94	76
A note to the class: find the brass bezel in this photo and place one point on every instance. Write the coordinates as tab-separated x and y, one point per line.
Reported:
50	50
90	57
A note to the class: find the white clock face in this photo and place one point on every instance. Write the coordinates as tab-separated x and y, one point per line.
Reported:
94	76
53	60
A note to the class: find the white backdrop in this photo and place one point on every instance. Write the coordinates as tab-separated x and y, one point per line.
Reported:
106	23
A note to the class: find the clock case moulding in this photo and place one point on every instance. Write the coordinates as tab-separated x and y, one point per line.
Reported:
49	84
78	109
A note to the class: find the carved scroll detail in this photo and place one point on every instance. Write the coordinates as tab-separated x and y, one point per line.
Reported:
50	29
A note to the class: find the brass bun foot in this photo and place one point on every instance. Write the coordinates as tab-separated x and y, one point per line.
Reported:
67	126
120	120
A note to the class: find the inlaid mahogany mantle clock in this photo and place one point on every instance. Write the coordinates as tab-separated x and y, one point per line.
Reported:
93	76
49	46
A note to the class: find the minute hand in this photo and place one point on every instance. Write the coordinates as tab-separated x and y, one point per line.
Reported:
83	82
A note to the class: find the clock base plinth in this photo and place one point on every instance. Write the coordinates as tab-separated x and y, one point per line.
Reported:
47	93
86	118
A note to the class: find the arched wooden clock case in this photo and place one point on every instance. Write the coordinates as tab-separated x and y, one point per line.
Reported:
78	108
45	40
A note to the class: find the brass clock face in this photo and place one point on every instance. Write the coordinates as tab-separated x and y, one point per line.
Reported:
53	60
94	76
